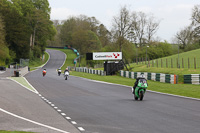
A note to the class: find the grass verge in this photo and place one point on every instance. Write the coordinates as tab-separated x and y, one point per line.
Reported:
34	64
22	81
187	90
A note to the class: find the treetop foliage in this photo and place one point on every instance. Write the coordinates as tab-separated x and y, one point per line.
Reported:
27	24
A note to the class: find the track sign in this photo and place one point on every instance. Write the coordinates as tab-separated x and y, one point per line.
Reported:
107	55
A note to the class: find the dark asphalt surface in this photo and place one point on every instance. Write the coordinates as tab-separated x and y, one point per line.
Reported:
104	108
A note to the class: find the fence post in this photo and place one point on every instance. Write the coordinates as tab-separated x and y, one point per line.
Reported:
194	63
166	64
188	62
152	63
182	63
171	63
148	62
139	60
177	62
161	63
157	62
142	60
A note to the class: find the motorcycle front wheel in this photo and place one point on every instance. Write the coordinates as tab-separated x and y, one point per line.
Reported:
136	98
141	95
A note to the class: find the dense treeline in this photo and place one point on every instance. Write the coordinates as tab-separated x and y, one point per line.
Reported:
4	52
133	33
25	28
87	34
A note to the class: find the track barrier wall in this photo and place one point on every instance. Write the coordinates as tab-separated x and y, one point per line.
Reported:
192	79
165	78
91	71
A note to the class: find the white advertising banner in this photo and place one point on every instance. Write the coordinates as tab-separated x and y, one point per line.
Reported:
107	56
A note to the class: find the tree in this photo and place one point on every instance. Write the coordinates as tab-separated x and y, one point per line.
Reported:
27	23
104	35
185	37
139	21
4	51
85	41
158	50
17	31
122	25
151	28
196	20
66	31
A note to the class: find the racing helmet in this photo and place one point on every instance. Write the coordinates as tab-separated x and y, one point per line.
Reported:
142	76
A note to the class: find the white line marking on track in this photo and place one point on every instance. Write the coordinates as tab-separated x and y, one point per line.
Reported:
52	105
59	110
68	118
81	129
63	114
34	122
55	107
73	122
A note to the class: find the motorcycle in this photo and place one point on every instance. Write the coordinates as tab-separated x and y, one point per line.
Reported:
140	89
66	75
59	72
44	73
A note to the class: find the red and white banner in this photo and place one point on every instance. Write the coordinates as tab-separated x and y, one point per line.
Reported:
107	55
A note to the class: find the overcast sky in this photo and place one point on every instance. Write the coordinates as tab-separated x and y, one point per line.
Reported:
174	14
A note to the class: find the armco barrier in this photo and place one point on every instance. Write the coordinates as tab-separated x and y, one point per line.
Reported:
192	79
91	71
165	78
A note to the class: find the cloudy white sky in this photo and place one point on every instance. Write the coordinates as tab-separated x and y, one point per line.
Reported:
174	14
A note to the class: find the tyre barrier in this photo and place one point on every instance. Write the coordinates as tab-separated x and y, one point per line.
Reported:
192	79
91	71
165	78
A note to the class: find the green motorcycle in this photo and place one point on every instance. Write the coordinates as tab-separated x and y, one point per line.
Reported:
140	89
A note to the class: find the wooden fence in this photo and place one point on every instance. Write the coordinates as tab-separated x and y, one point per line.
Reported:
170	62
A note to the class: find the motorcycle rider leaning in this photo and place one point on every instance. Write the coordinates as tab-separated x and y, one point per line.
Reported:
136	82
66	70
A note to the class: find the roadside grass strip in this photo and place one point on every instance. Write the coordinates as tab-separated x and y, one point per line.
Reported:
182	90
23	82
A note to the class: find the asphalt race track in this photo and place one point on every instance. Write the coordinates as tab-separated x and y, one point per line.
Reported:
107	108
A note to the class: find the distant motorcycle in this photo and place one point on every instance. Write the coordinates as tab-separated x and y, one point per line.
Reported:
66	75
140	89
44	72
59	72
